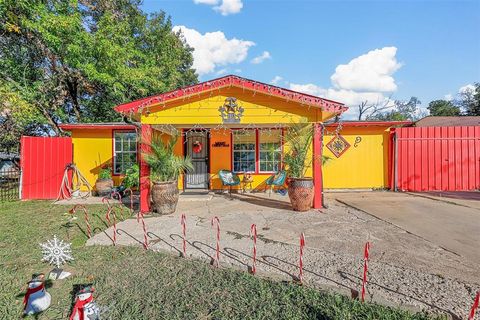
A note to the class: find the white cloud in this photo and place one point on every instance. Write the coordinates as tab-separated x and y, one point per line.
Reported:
213	49
466	89
221	72
349	97
368	77
448	97
369	72
276	80
264	56
229	7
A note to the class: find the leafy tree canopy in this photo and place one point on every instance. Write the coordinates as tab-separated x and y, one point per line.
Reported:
470	101
72	61
443	108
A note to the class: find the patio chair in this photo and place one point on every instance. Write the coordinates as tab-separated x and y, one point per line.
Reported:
229	179
278	179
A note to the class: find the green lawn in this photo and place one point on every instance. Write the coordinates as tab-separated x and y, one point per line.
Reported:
135	284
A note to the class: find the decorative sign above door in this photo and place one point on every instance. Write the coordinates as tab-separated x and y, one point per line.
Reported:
230	111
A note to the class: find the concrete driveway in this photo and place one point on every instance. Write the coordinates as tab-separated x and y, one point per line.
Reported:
453	224
406	270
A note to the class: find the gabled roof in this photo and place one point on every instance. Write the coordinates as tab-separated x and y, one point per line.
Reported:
233	81
432	121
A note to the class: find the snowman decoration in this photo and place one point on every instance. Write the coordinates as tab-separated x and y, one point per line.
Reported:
85	308
36	299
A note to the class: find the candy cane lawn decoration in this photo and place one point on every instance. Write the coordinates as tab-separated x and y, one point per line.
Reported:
253	232
300	262
183	222
120	207
217	257
145	237
366	255
73	211
109	209
474	306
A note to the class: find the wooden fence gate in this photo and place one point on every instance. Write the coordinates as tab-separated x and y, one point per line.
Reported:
43	161
437	158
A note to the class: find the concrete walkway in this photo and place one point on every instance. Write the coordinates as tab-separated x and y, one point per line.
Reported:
453	227
405	270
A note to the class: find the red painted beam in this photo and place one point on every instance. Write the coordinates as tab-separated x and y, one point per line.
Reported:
317	167
146	139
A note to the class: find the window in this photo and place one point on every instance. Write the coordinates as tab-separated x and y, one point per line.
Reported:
125	151
268	155
270	150
244	151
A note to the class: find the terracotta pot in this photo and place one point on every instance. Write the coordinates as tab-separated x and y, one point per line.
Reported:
164	197
104	187
300	192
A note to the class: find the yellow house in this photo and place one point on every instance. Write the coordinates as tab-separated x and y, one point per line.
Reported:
228	123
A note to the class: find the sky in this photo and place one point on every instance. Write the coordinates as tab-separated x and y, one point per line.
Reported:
348	51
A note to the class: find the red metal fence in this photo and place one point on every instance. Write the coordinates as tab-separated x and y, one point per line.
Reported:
437	158
43	162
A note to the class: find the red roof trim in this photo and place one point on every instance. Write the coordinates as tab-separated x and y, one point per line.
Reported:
233	81
370	123
73	126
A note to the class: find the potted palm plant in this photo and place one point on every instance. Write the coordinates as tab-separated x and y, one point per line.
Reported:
165	168
300	188
104	183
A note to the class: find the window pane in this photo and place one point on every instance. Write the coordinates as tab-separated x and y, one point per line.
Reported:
270	149
244	150
125	151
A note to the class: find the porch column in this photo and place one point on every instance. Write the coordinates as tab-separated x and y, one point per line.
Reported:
146	139
317	166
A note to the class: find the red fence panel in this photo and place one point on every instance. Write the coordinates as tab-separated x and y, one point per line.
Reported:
437	158
43	162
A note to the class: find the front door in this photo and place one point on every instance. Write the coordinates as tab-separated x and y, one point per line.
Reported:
196	146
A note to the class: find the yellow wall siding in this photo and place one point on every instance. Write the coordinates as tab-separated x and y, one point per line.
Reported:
93	149
205	112
364	166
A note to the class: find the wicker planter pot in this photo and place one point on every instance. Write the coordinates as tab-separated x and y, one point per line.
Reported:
164	197
300	192
104	187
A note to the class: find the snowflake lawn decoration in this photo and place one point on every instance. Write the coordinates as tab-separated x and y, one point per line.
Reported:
56	251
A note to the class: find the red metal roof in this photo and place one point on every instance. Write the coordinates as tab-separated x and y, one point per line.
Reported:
432	121
233	81
371	123
110	125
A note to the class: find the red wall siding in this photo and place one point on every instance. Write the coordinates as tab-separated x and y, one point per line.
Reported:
43	162
438	158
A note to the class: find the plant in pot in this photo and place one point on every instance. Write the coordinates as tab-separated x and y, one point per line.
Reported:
298	138
165	168
104	183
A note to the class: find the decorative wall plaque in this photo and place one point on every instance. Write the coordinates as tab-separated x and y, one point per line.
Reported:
338	145
230	111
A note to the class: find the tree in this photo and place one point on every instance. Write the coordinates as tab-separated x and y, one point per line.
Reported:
368	111
401	111
443	108
470	101
72	61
